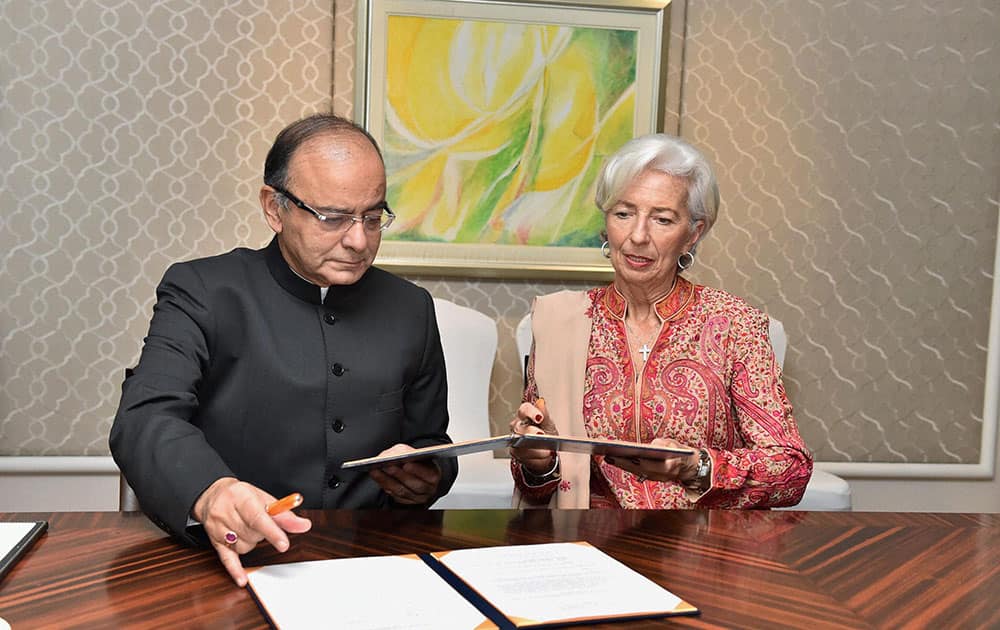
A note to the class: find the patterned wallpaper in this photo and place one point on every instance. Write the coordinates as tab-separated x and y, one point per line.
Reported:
858	150
857	147
134	135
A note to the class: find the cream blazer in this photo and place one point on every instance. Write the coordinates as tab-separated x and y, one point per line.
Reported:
560	328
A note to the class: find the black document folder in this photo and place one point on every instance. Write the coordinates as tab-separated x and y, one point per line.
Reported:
562	443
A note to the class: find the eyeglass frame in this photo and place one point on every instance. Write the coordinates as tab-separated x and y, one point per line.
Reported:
323	218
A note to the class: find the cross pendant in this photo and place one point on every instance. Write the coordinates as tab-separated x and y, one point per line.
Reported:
645	350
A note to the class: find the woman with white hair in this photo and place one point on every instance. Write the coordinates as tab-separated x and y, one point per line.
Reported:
654	358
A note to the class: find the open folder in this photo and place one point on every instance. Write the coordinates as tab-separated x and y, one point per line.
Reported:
516	586
15	541
593	446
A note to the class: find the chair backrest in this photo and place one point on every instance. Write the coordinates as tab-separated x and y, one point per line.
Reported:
127	501
469	340
775	331
522	336
779	340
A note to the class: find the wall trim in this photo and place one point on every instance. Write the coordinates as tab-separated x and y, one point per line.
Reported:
86	465
58	465
903	470
986	467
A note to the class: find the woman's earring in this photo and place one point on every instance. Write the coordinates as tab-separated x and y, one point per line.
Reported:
682	264
606	249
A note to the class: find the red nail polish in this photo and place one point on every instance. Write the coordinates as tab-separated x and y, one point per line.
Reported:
538	417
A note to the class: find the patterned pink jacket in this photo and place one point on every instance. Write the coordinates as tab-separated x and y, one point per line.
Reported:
711	381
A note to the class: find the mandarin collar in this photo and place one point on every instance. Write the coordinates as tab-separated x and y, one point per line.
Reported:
303	289
668	308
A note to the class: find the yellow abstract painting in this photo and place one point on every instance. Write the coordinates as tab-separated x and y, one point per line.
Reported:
495	118
494	132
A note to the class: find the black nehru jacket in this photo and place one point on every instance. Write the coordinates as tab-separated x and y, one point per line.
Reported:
246	373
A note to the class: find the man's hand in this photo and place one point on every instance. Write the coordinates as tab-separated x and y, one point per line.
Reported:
234	514
413	483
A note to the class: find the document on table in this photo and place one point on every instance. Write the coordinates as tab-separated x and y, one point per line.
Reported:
562	443
562	583
386	592
15	540
518	586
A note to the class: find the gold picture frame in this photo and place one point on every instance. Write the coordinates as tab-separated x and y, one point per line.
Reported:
494	118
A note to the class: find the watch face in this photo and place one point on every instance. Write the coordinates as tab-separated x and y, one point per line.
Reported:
704	464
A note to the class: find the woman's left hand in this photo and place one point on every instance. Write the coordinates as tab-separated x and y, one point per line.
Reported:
682	469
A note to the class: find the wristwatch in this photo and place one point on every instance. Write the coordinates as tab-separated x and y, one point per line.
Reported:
703	476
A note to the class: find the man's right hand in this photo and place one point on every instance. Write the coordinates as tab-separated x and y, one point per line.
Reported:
231	507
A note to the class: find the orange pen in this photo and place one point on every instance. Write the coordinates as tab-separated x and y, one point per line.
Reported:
290	502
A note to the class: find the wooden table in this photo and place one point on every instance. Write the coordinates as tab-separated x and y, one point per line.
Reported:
742	569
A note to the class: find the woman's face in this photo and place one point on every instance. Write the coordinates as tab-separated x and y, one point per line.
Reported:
648	229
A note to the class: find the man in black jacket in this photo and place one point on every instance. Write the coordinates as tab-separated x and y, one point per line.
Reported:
265	369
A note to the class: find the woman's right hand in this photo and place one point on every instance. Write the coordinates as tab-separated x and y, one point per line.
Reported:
533	419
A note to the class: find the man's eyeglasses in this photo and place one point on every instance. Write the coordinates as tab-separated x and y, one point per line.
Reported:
342	221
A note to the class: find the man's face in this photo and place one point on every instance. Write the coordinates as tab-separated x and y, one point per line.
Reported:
331	175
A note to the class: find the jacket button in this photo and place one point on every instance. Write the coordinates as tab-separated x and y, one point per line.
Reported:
338	425
338	369
334	481
329	318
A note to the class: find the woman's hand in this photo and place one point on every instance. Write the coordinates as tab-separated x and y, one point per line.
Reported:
533	419
234	515
682	469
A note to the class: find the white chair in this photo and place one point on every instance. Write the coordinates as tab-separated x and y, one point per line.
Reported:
824	492
469	339
127	501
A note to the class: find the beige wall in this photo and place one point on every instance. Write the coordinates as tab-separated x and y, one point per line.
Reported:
857	147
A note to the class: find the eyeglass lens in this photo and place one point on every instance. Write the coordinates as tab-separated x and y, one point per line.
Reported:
371	223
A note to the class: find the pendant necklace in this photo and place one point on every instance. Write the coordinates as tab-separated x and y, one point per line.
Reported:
645	349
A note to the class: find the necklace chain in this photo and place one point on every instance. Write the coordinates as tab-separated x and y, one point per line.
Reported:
644	349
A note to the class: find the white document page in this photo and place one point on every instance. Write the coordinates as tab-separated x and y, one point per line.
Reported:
383	592
555	582
15	541
11	534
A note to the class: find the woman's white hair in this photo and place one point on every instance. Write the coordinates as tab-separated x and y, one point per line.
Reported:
666	154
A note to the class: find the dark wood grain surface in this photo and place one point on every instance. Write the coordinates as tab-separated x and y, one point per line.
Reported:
742	569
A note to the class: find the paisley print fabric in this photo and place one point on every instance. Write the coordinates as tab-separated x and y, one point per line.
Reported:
711	381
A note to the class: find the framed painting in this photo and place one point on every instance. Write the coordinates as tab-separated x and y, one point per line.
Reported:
495	118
